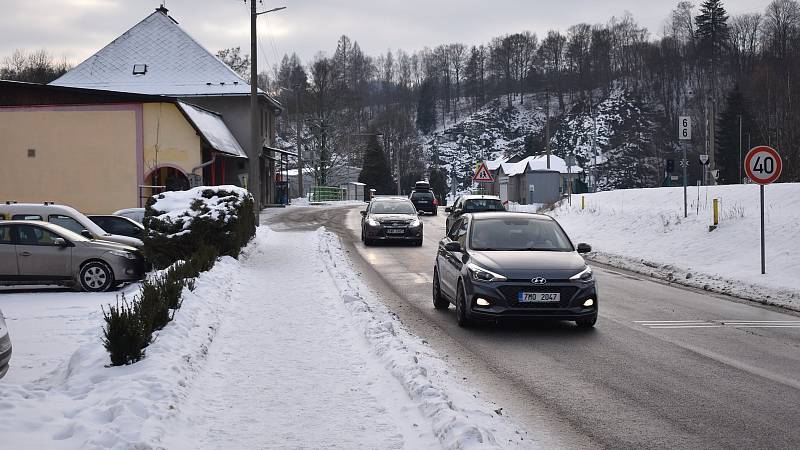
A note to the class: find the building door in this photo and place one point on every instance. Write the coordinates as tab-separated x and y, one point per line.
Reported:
504	190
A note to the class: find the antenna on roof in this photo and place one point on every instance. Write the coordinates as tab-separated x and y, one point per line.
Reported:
163	8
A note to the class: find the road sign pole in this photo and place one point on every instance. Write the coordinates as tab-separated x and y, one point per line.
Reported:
763	263
685	201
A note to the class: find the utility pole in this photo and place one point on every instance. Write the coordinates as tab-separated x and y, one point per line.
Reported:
547	129
300	173
712	145
740	149
254	155
256	135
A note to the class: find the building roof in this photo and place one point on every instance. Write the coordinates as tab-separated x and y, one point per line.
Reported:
495	164
213	130
173	63
538	163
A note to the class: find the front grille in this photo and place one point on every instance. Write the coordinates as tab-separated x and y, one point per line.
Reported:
511	292
395	223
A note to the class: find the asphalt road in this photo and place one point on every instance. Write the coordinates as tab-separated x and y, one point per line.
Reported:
666	366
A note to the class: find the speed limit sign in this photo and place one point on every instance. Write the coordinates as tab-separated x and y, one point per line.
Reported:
763	165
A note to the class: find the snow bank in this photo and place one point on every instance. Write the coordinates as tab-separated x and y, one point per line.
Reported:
644	230
86	405
455	427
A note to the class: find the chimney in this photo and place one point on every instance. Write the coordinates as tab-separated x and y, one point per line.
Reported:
162	9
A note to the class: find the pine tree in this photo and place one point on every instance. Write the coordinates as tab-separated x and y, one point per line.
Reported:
375	172
712	29
426	108
438	180
728	152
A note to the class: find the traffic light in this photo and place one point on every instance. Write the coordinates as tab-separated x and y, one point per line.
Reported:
670	165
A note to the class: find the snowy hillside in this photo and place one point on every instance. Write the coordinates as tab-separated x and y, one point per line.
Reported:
491	132
644	230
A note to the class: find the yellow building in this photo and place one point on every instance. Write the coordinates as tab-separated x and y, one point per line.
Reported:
101	151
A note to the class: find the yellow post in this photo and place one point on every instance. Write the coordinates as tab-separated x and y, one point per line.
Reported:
583	202
716	211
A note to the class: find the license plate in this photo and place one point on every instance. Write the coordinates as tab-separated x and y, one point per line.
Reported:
539	297
395	231
422	203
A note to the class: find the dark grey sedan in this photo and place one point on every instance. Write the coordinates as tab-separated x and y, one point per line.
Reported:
513	265
391	219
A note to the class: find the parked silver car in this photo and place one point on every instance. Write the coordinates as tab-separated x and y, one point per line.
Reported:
5	346
64	216
35	252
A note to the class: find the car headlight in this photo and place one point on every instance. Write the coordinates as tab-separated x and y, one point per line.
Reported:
373	223
415	223
478	273
583	275
123	254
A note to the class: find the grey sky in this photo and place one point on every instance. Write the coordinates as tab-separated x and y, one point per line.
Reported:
77	28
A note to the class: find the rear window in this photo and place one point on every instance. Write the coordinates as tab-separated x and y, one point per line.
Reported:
482	204
422	196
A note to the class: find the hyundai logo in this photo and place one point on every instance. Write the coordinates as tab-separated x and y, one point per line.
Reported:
539	280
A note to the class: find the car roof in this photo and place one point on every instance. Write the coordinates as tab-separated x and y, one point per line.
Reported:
478	196
48	225
505	214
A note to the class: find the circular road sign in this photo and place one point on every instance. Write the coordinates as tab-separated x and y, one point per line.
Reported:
763	165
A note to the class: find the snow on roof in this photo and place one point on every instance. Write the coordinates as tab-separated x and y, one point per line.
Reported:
533	163
176	64
213	129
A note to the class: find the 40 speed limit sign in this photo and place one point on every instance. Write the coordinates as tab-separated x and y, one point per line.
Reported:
763	165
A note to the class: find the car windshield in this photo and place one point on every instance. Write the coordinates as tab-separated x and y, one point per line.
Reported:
518	234
483	204
393	207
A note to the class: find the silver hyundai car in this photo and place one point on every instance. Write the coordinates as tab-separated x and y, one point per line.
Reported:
35	252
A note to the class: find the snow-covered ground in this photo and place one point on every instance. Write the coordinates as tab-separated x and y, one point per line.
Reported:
285	348
644	230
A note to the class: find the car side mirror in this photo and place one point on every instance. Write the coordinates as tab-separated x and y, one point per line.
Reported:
363	213
86	234
453	247
448	209
60	242
584	248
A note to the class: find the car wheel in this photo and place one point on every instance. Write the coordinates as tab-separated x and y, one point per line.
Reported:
96	276
418	243
439	302
461	308
435	212
587	322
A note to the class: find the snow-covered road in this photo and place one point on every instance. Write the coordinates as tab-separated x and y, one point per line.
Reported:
289	370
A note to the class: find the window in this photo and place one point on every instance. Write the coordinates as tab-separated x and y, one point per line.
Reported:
478	205
454	230
422	196
461	233
26	217
66	222
5	234
33	235
139	69
393	207
515	234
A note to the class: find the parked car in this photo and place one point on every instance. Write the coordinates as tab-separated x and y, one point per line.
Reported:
5	346
425	201
36	252
119	225
136	214
472	204
513	265
391	219
64	216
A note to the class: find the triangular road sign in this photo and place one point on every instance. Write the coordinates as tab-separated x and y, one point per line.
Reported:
483	174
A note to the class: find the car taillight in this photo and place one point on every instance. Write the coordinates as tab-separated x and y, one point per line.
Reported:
435	202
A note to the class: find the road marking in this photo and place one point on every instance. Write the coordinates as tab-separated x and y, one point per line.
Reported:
681	324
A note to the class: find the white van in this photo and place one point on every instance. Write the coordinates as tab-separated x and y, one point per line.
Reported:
63	216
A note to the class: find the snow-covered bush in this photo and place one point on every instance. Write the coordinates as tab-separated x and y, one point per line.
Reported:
178	223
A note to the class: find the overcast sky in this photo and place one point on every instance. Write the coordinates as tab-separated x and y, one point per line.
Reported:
76	29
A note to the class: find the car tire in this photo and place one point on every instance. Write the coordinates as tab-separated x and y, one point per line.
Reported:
587	322
435	212
418	243
96	276
439	301
461	308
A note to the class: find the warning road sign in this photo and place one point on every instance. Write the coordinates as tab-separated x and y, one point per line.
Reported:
763	164
483	174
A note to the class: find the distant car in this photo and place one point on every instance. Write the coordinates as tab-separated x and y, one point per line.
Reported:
66	217
513	265
136	214
391	219
5	346
35	252
425	201
120	225
472	204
